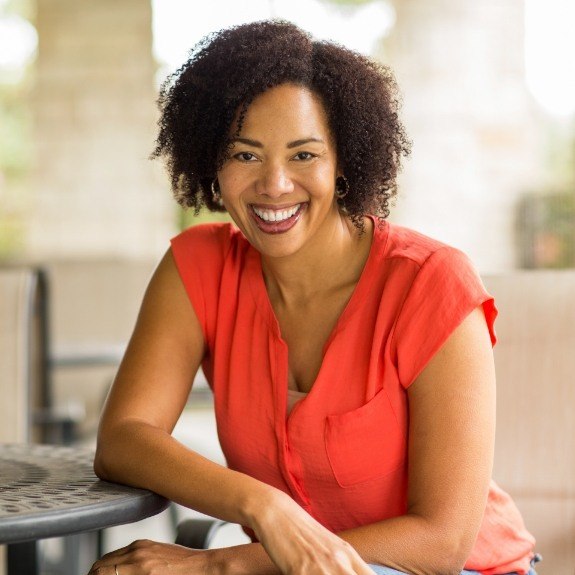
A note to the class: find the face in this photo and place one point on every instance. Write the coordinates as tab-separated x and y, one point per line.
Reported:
279	179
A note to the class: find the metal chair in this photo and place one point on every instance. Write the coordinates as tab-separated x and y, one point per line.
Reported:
27	413
197	533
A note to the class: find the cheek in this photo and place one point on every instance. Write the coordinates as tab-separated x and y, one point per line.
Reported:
230	183
324	179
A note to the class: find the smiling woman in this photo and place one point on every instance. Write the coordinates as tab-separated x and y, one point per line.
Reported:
369	138
350	359
282	180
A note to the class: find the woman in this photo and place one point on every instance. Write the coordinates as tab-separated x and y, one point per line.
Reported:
350	359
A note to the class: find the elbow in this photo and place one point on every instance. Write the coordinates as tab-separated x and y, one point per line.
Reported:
116	456
110	456
112	450
449	565
452	554
445	548
101	466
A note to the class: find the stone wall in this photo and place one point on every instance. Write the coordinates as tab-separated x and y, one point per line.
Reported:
460	66
96	194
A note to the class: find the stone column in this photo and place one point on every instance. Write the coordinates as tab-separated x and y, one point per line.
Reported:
96	193
460	66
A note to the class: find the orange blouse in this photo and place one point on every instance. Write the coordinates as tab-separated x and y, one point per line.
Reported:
341	452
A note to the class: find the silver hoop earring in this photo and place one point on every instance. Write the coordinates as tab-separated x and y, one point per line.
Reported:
216	193
341	187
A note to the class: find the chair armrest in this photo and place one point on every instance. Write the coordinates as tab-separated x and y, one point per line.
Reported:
197	533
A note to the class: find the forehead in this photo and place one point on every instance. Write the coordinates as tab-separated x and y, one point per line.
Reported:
287	108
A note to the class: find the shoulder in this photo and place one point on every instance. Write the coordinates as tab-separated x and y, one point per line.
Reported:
410	245
201	252
209	244
441	287
408	255
212	235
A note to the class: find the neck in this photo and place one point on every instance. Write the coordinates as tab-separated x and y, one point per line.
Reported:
338	262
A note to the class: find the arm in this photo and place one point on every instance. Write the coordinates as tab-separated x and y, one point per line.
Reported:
452	425
134	442
135	447
451	438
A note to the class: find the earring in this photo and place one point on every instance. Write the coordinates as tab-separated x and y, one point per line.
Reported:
216	193
341	187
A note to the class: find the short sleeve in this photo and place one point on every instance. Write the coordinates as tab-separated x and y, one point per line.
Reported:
445	290
199	253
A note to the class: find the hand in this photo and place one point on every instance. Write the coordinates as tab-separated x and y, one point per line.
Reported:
299	545
151	558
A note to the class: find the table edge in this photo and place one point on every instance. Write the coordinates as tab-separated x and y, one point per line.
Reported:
87	518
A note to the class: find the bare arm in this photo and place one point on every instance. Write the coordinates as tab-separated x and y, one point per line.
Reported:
450	454
452	427
135	447
134	442
451	438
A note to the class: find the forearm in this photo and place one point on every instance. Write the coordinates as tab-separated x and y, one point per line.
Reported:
138	454
247	559
407	543
411	544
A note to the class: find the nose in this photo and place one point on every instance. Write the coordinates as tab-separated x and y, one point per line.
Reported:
275	181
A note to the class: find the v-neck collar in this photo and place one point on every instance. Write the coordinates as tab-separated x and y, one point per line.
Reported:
257	283
264	306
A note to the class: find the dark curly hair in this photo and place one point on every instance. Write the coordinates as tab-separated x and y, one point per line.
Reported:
228	69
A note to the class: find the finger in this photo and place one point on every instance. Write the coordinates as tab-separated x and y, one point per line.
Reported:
109	569
111	556
113	563
117	557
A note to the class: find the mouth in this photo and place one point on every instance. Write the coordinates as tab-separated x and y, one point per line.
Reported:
277	220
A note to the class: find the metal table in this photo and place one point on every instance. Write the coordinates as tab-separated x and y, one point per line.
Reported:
49	491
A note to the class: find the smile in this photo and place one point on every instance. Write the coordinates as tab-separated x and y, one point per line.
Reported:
276	215
279	220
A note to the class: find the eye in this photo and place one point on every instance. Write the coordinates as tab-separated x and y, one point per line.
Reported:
245	157
303	156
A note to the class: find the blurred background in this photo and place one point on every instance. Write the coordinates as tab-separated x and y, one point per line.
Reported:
489	102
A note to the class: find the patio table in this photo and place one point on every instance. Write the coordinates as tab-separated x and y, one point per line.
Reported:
51	491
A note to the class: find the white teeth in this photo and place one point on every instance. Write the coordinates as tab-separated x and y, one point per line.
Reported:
276	215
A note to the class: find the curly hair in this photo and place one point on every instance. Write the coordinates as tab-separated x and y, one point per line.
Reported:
228	69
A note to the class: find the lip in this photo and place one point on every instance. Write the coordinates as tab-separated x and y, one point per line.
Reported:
276	207
277	227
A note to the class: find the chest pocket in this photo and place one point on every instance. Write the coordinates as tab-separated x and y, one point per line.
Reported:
365	443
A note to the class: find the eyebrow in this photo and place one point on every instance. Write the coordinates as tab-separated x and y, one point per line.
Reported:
294	144
298	143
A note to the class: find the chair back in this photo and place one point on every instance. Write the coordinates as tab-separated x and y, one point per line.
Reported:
23	351
535	442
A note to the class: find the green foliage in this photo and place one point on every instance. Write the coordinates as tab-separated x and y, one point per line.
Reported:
24	8
187	218
15	128
546	217
546	229
15	146
15	164
11	237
